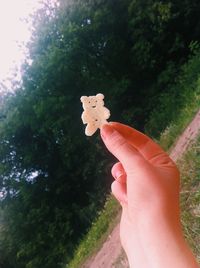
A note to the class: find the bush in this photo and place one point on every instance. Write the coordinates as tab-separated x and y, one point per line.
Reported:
182	95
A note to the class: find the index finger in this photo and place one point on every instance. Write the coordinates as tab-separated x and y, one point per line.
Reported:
150	150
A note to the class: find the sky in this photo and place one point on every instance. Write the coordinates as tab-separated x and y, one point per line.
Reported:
14	32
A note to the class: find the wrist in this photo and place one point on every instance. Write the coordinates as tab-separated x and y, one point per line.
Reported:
164	244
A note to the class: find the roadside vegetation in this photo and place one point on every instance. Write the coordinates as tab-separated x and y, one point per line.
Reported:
189	166
176	109
100	229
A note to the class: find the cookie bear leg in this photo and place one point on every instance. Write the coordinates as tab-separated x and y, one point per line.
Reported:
90	130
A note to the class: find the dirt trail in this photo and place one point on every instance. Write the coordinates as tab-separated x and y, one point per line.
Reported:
111	254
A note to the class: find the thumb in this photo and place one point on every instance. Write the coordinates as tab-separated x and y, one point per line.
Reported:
130	158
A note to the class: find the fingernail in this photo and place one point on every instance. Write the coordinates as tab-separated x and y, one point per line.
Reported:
106	131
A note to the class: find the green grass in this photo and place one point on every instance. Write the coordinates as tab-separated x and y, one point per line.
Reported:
98	233
181	110
176	105
172	132
189	166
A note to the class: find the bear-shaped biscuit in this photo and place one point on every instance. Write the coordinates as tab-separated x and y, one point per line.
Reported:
94	114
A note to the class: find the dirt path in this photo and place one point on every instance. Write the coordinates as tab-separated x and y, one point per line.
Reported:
111	254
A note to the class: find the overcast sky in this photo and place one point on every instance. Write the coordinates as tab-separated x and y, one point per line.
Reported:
14	32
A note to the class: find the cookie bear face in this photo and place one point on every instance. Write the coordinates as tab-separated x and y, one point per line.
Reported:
92	101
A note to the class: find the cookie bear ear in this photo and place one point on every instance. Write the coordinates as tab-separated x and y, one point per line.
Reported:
100	96
83	98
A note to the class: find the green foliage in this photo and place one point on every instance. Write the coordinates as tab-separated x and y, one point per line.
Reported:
177	105
54	179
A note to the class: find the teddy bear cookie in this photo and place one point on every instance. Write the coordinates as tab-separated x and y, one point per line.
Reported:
94	114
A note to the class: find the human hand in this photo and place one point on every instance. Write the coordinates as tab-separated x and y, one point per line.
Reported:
147	186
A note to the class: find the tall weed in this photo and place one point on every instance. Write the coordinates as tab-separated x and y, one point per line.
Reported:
182	98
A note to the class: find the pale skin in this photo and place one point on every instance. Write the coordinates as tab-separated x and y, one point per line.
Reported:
147	185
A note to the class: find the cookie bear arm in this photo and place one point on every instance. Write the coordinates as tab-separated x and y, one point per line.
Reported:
106	113
85	117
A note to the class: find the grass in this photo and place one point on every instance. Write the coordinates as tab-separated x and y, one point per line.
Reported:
189	166
177	104
191	98
172	132
98	233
